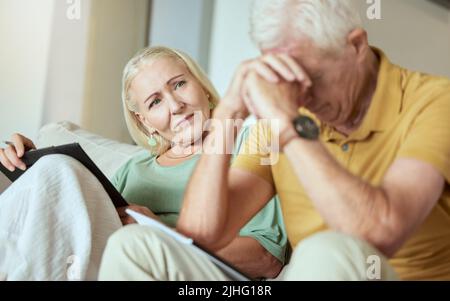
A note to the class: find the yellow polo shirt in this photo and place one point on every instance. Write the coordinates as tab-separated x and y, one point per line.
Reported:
409	117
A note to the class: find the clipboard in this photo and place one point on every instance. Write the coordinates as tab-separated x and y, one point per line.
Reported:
75	151
225	267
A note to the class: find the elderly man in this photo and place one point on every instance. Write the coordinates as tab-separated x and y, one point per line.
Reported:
367	181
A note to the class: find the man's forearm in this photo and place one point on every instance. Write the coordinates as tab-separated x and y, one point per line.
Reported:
346	203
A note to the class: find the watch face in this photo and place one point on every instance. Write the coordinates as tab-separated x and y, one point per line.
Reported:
306	128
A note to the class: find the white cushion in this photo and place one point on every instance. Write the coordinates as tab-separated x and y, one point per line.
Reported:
107	154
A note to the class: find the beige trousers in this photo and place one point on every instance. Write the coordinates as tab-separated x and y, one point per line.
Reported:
143	253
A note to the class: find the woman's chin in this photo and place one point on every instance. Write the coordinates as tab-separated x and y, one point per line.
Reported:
188	137
197	138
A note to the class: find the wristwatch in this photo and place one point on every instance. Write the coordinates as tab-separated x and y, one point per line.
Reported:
306	128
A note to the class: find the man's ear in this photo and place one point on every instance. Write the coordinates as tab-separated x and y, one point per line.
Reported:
357	40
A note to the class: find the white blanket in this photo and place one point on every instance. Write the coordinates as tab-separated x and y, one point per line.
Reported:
54	223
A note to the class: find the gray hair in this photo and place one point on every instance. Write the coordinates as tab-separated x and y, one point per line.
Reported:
326	22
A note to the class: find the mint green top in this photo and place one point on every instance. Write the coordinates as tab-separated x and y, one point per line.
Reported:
143	181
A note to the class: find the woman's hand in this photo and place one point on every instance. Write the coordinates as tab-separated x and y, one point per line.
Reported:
10	156
126	219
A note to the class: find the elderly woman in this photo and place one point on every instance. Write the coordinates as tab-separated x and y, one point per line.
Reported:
167	100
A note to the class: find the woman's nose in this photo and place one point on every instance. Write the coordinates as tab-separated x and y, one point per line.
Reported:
175	105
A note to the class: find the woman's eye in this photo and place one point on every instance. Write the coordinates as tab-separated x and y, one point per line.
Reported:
180	84
154	102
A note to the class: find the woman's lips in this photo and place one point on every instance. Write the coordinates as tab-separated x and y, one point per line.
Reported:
187	118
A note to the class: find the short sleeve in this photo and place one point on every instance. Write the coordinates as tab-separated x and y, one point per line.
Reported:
120	177
428	138
255	155
267	227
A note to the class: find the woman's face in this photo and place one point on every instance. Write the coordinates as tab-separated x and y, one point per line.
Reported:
170	100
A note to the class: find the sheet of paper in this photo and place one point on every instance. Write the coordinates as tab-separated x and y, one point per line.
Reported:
145	220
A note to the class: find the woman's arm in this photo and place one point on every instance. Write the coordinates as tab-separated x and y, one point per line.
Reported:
213	214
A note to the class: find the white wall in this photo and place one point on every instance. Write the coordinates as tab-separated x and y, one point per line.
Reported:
184	25
414	34
55	68
67	65
117	30
25	29
230	41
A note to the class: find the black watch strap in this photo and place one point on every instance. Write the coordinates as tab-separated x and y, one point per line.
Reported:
306	127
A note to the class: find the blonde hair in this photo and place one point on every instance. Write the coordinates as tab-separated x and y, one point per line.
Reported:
138	131
326	22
